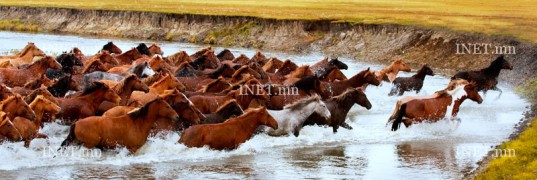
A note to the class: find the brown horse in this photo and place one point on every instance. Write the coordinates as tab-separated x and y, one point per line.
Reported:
124	90
432	108
323	66
28	130
227	110
330	89
63	85
42	107
283	95
155	49
87	103
487	78
272	65
415	82
389	73
112	48
15	106
339	107
40	91
19	77
288	66
242	59
249	91
471	93
205	62
5	92
259	58
294	76
37	83
8	131
333	75
229	134
130	130
168	82
128	57
217	85
178	58
24	57
225	55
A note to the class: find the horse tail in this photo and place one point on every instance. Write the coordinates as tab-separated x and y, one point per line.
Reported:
399	119
70	138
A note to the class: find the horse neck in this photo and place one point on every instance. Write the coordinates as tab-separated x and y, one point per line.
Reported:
145	123
493	70
243	99
27	56
355	81
457	104
247	124
420	75
345	105
302	113
94	98
124	90
37	68
58	87
39	112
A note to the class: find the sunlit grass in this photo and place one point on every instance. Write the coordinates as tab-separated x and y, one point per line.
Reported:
517	18
18	25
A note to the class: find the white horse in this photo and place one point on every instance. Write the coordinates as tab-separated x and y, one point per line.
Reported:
292	117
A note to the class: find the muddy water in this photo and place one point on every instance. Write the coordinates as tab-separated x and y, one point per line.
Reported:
443	150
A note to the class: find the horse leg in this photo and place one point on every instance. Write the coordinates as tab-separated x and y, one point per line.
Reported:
393	91
346	126
400	114
27	143
41	136
70	138
407	122
497	89
334	128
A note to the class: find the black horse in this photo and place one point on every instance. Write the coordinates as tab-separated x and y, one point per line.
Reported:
68	61
487	78
143	49
415	82
64	84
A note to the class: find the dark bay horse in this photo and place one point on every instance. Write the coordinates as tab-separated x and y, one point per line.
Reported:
225	55
112	48
68	62
229	134
415	82
487	78
227	110
339	107
330	89
63	85
323	66
130	130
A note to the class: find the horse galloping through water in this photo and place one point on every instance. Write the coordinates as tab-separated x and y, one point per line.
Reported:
487	78
415	82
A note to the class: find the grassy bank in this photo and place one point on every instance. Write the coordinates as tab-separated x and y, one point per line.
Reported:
516	18
18	25
523	165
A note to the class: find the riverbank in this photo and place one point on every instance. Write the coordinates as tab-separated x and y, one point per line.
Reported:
366	42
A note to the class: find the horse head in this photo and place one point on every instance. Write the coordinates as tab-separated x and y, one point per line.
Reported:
8	129
338	64
112	48
472	92
16	106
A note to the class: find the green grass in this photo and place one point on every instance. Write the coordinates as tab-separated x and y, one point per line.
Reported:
18	25
528	89
523	165
514	18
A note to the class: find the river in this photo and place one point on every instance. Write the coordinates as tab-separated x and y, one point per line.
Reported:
440	150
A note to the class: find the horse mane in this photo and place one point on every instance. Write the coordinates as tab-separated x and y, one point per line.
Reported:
62	82
201	52
240	71
223	53
297	105
152	79
37	99
422	70
306	82
94	86
298	72
495	65
162	79
212	83
36	83
142	111
139	68
7	100
25	49
219	71
30	97
226	105
241	57
108	46
198	61
177	56
143	49
38	62
120	87
286	66
345	95
90	64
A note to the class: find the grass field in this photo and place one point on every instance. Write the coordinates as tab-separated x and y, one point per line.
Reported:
515	18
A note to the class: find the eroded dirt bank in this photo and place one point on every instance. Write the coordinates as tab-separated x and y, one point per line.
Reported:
372	43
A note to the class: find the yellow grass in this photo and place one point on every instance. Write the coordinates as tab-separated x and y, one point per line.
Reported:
516	18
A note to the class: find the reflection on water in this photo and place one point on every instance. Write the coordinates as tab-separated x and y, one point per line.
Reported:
369	151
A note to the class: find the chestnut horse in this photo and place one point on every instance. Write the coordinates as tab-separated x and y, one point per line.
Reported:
272	65
41	107
431	109
178	58
130	130
124	90
167	82
487	78
389	73
229	134
227	110
15	106
5	92
339	107
128	57
112	48
259	58
333	75
249	91
8	131
283	95
24	57
19	77
330	89
217	85
415	82
155	49
87	103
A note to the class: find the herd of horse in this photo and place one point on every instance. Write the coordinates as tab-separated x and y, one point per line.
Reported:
118	99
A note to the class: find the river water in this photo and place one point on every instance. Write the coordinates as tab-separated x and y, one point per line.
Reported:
440	150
